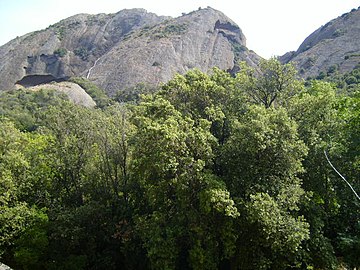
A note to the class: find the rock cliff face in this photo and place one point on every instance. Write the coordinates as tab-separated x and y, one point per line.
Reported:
334	45
121	50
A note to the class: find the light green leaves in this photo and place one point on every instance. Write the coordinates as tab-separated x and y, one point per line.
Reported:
264	152
277	227
274	83
220	200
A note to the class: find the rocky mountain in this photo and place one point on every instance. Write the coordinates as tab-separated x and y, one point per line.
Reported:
334	46
122	50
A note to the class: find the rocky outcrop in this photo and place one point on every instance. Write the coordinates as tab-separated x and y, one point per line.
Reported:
121	50
73	91
336	45
4	267
201	39
69	47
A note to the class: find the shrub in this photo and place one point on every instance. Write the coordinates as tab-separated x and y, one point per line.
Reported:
338	33
60	32
332	69
321	75
351	80
61	52
82	52
97	94
170	30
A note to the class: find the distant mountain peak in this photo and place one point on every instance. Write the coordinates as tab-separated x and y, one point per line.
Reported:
335	45
121	50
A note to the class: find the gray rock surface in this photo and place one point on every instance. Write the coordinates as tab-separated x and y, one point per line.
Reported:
336	44
4	267
119	51
74	92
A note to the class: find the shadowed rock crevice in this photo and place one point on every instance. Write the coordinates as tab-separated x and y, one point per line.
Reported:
32	80
230	31
227	26
45	64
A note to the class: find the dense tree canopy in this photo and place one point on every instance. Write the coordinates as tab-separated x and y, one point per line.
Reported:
209	172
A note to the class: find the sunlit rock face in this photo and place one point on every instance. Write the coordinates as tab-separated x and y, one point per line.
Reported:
118	51
334	46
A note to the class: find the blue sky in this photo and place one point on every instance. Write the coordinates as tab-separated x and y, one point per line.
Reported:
272	27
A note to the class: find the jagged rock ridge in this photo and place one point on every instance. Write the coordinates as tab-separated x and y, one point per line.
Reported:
118	51
335	45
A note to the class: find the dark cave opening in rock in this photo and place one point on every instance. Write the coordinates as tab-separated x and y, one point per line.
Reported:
32	80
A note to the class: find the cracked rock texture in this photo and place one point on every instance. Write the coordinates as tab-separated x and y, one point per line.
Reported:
120	51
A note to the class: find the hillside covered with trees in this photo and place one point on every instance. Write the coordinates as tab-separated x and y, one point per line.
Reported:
210	171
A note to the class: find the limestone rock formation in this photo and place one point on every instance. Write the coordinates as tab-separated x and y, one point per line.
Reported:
122	50
67	48
73	91
336	45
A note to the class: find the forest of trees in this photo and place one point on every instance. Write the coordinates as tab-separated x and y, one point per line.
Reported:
209	172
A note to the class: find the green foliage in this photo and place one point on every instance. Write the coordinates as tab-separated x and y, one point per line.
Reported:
72	149
23	106
170	166
332	69
169	29
275	85
19	222
31	246
238	51
215	98
175	28
210	172
239	48
345	82
82	52
322	127
261	162
277	233
351	114
338	33
61	52
23	153
351	80
264	153
350	246
60	31
97	94
132	94
219	200
201	95
348	236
